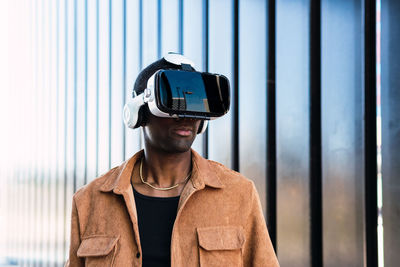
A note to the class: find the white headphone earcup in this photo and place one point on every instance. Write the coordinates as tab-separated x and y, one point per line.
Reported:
203	127
130	115
131	111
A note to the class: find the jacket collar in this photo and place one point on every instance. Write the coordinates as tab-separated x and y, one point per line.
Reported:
202	174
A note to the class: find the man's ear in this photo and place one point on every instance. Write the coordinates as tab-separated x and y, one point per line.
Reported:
144	115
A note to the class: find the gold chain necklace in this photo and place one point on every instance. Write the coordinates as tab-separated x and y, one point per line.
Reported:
161	188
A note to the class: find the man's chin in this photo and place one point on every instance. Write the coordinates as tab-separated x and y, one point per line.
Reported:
178	147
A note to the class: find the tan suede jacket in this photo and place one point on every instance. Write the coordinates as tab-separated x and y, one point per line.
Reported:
219	221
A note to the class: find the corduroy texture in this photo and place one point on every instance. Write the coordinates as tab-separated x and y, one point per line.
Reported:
219	221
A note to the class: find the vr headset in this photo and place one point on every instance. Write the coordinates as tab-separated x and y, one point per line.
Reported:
181	93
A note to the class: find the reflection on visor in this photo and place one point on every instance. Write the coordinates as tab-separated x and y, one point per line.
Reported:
193	92
183	94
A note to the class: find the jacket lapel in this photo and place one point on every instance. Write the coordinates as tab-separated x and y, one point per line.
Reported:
119	183
202	176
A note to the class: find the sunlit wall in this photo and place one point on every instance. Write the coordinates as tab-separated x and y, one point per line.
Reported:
71	66
297	125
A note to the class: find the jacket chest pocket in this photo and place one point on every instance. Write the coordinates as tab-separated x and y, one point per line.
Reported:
98	250
220	246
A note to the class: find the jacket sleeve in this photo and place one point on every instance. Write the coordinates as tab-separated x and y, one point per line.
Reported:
258	249
74	260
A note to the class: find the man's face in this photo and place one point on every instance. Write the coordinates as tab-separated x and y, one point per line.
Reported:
170	135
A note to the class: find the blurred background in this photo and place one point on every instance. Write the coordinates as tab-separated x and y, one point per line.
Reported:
314	120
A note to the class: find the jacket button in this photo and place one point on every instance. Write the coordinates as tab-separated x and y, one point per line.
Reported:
138	255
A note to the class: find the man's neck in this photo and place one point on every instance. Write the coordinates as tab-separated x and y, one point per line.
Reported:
166	169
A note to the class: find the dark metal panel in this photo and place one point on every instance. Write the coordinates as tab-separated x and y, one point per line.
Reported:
292	140
370	135
390	61
235	89
315	135
342	133
193	42
252	93
220	60
132	65
271	123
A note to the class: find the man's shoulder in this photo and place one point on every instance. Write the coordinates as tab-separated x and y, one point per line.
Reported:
228	176
96	184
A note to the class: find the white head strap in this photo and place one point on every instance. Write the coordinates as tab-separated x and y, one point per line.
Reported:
178	59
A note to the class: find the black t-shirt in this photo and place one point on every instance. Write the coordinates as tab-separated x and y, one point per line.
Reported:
156	217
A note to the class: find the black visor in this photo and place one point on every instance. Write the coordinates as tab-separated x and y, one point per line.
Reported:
192	93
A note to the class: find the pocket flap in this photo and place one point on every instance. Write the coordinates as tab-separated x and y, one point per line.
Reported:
96	246
221	238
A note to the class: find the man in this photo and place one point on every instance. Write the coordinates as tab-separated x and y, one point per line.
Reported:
168	206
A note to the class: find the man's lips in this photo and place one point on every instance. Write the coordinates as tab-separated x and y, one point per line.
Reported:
183	131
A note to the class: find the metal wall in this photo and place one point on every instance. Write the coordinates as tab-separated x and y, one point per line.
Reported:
292	131
342	133
302	124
